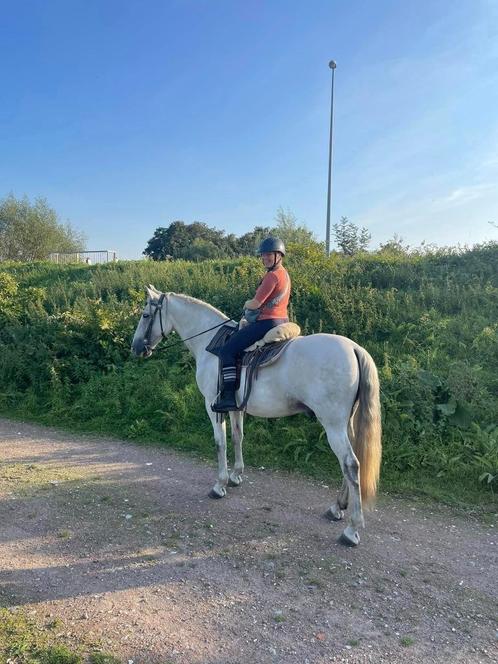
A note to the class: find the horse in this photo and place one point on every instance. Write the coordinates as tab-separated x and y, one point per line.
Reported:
328	375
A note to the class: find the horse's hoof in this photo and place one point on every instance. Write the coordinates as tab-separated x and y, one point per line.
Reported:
334	515
215	494
232	482
349	537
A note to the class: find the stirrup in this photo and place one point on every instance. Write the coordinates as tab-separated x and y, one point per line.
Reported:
225	403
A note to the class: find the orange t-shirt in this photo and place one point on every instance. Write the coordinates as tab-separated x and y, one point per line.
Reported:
273	293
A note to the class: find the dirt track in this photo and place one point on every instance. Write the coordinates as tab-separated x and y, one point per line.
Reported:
123	545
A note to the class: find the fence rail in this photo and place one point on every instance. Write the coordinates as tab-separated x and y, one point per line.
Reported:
88	257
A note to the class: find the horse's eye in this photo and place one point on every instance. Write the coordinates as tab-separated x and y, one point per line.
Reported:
145	315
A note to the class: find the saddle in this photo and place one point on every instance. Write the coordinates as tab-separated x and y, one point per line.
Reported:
260	354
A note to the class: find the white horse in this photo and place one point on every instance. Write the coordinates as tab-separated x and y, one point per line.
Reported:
330	375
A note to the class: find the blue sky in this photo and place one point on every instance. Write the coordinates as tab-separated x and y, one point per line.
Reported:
127	115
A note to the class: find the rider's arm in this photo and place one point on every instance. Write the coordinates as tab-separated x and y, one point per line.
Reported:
264	291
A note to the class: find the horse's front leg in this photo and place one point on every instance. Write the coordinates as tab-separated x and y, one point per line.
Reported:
220	437
237	428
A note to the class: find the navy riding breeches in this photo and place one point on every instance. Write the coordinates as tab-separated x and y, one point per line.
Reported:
246	337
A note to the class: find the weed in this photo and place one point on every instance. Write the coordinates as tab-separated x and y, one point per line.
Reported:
103	658
64	534
58	654
314	581
56	623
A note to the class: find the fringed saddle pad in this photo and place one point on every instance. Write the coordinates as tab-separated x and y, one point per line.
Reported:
263	356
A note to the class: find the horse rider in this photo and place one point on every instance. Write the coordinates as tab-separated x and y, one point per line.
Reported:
267	309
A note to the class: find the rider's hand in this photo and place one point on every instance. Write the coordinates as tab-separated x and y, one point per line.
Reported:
252	304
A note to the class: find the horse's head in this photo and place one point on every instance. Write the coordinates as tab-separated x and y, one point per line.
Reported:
153	324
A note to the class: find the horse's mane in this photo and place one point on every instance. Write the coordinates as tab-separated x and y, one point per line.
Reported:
194	300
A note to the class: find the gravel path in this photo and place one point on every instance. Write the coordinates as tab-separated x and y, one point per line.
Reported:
122	545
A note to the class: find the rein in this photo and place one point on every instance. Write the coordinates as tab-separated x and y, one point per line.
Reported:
180	341
158	307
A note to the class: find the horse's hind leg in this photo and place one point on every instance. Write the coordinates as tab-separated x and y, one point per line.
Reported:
336	510
220	437
340	445
237	428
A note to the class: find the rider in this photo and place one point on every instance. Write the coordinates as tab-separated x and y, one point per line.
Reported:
267	309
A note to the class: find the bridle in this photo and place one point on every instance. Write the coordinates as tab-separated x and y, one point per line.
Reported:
156	307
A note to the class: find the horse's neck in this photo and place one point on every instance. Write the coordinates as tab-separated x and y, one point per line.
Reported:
189	317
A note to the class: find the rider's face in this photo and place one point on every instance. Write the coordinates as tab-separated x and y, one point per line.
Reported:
268	258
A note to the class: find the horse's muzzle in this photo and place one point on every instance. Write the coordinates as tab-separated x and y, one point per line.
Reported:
141	350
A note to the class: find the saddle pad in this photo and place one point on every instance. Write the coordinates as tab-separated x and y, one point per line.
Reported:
263	356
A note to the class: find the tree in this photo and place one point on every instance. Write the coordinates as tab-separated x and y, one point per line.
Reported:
200	250
290	231
248	243
30	232
165	241
188	241
350	238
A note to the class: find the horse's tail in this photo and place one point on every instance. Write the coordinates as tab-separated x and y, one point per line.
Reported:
367	443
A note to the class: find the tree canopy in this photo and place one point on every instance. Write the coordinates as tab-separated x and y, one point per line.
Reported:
31	231
197	241
248	243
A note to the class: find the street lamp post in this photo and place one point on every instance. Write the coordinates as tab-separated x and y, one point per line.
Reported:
332	66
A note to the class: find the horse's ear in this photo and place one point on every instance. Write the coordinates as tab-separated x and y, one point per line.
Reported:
151	291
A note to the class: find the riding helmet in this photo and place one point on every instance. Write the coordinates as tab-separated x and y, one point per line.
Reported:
271	244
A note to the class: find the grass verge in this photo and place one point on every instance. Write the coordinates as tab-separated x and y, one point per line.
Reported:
23	641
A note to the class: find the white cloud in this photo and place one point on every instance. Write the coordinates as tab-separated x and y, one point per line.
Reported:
463	195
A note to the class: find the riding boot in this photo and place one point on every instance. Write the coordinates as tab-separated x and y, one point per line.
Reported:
226	400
